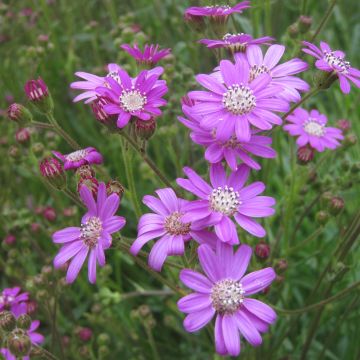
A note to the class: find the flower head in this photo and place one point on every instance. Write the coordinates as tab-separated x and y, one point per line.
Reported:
310	129
149	56
166	223
224	292
236	42
230	150
52	170
140	97
14	300
333	61
234	102
93	237
226	198
19	114
282	74
36	90
79	158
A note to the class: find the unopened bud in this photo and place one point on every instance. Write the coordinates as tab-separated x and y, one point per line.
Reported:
9	239
7	321
323	80
262	250
196	23
85	171
101	115
114	187
49	214
344	125
23	322
103	339
84	334
281	265
91	183
14	152
19	114
336	204
38	93
350	140
38	148
293	30
52	170
19	343
305	23
23	136
305	154
322	217
145	129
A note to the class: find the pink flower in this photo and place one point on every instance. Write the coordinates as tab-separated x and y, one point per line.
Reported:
14	300
224	292
310	129
92	238
79	158
334	61
149	56
167	225
226	198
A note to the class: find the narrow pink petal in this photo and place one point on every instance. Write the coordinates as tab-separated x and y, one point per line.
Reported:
197	320
194	302
247	329
66	235
231	335
76	264
196	281
258	280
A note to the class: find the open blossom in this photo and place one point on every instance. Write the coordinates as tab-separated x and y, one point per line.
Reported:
310	129
79	158
234	102
236	42
224	292
231	150
14	300
226	198
140	97
149	56
167	225
280	74
334	61
93	237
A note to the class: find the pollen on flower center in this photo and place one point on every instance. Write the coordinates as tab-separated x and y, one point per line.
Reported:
76	155
225	200
227	296
257	70
312	127
91	231
341	65
239	99
132	100
174	226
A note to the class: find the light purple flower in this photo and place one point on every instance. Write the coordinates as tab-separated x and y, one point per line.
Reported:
140	97
236	42
224	292
231	150
93	237
167	225
334	61
35	337
149	56
14	300
79	158
310	129
281	74
226	198
234	102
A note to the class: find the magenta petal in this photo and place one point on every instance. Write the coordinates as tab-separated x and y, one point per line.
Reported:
194	302
261	310
241	261
208	262
66	235
110	207
168	198
195	281
88	199
197	320
226	231
114	224
258	280
155	205
144	238
76	264
231	335
219	337
158	253
67	252
238	178
250	225
247	329
217	175
176	246
92	266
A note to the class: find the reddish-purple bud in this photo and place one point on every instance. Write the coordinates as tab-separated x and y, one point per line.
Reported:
84	334
305	23
281	265
262	250
344	125
31	307
49	214
19	114
85	171
114	187
336	204
305	154
23	136
37	92
91	183
35	227
52	170
145	129
9	239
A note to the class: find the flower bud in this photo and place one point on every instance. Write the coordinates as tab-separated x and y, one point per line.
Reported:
101	115
14	152
91	183
305	154
38	93
38	149
114	187
31	307
103	339
84	334
350	140
19	114
322	217
9	239
7	321
23	322
19	343
35	227
69	211
293	30
52	170
145	129
22	136
281	265
262	250
336	205
323	80
344	125
305	23
49	214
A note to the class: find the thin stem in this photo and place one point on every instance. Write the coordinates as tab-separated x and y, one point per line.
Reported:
306	241
44	353
73	197
133	294
41	125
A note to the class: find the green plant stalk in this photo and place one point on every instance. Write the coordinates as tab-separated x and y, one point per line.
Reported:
151	341
44	353
311	237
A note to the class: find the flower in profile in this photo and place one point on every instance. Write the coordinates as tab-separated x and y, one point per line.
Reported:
79	158
310	129
224	292
333	61
230	150
216	13
226	198
166	223
140	97
236	42
234	102
14	300
282	74
93	237
36	90
150	55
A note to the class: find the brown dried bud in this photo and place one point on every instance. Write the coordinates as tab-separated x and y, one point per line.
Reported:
7	321
145	129
114	187
19	343
23	322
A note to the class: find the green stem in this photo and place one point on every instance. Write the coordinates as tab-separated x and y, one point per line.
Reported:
73	197
44	353
133	294
306	241
41	125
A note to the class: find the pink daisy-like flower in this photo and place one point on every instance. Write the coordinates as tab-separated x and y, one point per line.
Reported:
230	150
236	42
35	338
280	74
224	292
93	237
310	129
167	225
226	198
217	13
14	300
334	61
234	102
140	97
149	56
79	158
